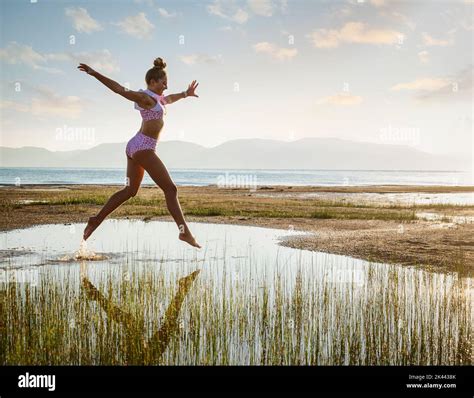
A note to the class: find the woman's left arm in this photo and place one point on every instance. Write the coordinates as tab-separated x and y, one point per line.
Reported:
190	92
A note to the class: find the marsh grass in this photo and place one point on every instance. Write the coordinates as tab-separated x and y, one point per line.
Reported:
152	203
367	214
267	315
7	207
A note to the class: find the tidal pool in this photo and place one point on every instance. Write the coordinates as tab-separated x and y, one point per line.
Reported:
148	298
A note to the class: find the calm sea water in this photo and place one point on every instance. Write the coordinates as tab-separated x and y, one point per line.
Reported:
238	178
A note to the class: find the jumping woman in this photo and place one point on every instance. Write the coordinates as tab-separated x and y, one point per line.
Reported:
141	147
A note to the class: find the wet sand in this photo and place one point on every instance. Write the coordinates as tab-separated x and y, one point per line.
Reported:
439	237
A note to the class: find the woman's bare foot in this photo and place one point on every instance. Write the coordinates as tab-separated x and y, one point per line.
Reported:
92	224
189	238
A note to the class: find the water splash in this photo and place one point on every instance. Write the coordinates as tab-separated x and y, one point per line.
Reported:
84	254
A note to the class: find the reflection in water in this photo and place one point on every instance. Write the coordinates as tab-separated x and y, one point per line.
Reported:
159	341
154	348
254	302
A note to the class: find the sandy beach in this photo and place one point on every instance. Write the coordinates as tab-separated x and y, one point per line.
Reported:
342	220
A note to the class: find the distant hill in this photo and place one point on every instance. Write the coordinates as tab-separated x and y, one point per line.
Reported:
306	153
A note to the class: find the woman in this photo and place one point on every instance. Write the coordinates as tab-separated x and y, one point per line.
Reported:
140	149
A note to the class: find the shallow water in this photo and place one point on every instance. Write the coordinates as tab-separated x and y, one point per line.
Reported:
242	251
229	251
418	198
124	244
242	275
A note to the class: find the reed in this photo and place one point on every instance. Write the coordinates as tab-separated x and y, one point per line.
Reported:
217	315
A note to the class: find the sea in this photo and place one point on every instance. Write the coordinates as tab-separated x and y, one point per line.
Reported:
236	177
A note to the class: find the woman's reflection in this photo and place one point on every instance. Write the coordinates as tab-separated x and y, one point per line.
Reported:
138	350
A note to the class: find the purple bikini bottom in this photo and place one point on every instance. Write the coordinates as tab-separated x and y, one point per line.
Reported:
139	142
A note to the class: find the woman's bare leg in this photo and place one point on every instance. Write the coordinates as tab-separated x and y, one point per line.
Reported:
158	172
134	178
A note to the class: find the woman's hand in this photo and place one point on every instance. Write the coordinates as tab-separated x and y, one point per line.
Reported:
86	68
191	88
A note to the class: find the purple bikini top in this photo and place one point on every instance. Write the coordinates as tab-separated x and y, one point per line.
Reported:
157	111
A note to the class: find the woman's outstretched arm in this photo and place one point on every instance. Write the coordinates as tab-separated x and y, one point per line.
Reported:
188	93
141	99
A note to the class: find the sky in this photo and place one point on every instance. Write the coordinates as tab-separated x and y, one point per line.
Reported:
379	71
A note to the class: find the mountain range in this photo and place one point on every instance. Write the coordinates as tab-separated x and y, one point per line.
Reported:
306	153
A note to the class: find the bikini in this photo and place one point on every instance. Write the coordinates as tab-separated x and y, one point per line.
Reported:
140	141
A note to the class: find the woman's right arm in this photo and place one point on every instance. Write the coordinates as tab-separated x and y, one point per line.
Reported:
140	98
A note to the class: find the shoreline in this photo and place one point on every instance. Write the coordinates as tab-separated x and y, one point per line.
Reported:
373	231
382	188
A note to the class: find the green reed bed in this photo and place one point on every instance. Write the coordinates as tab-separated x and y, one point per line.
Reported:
366	214
329	209
101	198
212	314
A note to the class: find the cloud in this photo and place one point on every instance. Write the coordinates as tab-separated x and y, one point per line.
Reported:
398	17
379	3
274	51
458	16
82	21
424	84
241	16
228	10
376	3
423	56
16	53
457	87
431	41
261	7
14	106
353	32
21	54
101	60
341	99
344	11
238	29
387	9
50	103
467	23
137	26
240	12
194	59
166	14
45	102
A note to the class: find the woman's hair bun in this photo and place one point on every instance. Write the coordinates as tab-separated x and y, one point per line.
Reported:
159	63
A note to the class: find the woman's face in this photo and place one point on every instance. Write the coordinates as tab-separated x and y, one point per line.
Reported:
160	85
